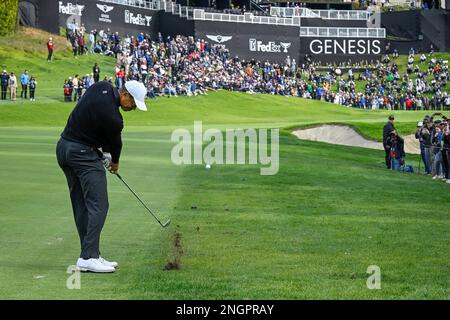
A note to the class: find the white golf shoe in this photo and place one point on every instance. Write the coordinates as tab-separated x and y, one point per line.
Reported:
93	265
108	263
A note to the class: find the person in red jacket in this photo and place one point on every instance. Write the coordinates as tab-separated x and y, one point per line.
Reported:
50	47
120	77
408	104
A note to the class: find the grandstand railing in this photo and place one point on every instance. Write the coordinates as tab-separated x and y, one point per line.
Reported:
147	4
202	14
244	18
323	14
342	32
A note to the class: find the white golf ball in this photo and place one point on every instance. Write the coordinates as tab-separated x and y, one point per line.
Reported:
208	166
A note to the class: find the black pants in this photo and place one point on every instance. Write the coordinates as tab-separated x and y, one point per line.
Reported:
50	54
86	178
4	91
387	158
24	90
445	163
32	93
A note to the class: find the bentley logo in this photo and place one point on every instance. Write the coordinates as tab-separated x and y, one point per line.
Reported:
219	38
285	45
105	8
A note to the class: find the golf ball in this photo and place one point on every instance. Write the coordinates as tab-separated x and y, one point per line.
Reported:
208	166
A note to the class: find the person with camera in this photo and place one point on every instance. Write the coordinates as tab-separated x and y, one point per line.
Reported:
396	147
426	134
436	141
446	151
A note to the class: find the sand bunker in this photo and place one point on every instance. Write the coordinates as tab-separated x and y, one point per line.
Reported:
347	136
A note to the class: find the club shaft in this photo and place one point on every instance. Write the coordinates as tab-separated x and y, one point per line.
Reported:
137	197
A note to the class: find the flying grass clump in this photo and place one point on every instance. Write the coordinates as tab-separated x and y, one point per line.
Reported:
177	252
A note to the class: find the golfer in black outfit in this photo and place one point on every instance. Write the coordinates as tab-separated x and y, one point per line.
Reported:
387	129
95	122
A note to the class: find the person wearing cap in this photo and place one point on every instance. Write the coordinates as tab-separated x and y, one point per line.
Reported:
388	128
419	137
95	122
4	81
426	134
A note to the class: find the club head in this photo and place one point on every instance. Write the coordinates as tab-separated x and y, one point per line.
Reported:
166	224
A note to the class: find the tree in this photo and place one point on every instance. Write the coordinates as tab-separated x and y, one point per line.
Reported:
8	16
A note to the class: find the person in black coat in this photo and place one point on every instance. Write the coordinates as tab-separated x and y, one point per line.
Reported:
387	129
94	123
4	80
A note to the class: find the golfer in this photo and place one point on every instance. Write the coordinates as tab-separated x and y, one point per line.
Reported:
94	123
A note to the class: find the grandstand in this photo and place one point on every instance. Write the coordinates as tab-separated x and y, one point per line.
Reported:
264	33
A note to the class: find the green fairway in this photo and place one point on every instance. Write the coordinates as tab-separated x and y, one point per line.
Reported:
309	232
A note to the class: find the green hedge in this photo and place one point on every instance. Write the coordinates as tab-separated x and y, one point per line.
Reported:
8	16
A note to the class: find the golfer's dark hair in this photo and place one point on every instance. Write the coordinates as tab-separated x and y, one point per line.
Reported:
123	90
391	117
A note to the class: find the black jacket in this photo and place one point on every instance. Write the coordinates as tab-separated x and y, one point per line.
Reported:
388	128
96	120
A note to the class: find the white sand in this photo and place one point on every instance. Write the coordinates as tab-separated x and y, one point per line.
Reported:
347	136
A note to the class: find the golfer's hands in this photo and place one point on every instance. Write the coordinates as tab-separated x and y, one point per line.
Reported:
114	167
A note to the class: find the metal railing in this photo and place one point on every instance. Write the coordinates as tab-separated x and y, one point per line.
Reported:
244	18
147	4
318	32
322	14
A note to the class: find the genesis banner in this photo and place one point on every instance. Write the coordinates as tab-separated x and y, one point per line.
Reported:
342	49
252	41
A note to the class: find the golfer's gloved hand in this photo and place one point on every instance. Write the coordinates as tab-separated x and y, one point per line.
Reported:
107	160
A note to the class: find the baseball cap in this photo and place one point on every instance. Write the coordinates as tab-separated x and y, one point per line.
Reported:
138	92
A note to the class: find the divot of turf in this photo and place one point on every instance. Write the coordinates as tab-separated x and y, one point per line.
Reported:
177	252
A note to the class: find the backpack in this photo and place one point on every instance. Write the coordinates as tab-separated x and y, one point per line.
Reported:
407	168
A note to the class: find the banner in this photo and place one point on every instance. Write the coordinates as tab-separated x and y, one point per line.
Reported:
328	50
252	41
55	14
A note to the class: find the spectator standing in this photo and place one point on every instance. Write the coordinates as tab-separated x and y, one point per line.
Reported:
96	72
50	47
91	42
33	84
13	86
426	133
81	45
387	129
66	88
4	81
24	81
446	153
75	83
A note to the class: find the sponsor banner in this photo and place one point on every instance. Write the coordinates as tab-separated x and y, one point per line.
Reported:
97	15
342	49
252	41
69	8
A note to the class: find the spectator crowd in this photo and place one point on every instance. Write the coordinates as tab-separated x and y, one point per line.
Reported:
185	66
434	137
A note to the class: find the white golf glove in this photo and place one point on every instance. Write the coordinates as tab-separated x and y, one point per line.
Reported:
106	160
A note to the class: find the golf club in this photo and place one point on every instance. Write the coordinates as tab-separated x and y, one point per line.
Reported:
129	188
